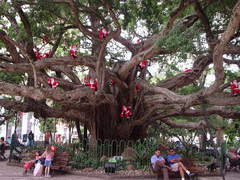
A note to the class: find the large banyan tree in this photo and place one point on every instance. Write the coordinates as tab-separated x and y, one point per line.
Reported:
92	61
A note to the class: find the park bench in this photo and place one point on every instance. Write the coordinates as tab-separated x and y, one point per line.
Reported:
60	160
188	163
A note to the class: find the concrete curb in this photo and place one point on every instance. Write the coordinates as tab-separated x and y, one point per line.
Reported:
110	176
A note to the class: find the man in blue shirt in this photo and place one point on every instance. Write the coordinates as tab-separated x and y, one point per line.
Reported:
158	164
175	163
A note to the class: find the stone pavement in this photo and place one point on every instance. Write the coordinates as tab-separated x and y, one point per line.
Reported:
15	173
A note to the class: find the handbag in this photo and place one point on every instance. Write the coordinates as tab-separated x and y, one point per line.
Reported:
38	169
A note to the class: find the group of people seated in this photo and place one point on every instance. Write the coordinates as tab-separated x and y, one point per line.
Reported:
172	162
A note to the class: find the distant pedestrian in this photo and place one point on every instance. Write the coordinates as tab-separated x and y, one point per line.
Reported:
47	138
30	138
2	148
9	140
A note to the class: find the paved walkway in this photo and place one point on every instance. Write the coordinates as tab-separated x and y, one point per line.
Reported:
15	173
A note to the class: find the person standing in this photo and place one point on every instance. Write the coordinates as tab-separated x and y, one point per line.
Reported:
30	138
48	155
2	148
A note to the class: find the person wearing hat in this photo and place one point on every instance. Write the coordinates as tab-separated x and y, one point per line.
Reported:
175	163
158	164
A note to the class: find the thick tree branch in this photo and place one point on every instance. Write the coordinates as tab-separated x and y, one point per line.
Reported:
151	45
27	28
80	26
225	113
40	94
24	53
10	47
41	110
204	20
187	125
186	78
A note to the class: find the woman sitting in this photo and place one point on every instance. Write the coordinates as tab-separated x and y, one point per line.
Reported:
234	158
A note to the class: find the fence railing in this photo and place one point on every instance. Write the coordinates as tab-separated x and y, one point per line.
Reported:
88	154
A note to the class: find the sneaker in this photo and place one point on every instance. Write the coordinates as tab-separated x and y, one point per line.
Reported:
191	174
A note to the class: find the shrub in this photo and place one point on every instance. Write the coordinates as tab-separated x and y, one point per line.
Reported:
84	160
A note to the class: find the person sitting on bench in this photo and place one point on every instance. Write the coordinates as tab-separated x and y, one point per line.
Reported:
234	157
174	161
158	164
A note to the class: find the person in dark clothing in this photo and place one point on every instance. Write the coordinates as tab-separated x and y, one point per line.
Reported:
30	138
2	148
15	148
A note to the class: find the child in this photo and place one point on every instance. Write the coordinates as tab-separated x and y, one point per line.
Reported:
29	164
38	165
48	155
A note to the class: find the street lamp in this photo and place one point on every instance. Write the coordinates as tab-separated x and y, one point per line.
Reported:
17	98
14	135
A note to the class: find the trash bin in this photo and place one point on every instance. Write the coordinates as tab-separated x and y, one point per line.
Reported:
110	167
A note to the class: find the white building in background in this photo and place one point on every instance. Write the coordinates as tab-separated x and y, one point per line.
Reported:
29	123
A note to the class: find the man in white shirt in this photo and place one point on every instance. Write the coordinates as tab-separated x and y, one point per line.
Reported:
158	164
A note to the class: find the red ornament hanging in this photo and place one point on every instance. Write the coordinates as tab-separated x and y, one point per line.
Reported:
143	63
45	39
88	81
112	83
102	33
187	70
46	54
138	87
53	83
38	55
93	84
73	51
234	88
126	111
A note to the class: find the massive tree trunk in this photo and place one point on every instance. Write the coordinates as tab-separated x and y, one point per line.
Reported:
106	124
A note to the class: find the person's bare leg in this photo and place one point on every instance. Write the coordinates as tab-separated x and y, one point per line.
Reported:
184	168
181	172
49	171
46	170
